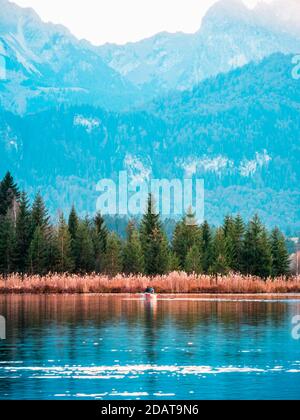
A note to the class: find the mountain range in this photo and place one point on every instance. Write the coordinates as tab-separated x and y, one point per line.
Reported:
220	104
231	35
46	65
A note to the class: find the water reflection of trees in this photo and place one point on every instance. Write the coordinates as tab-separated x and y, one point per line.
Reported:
45	327
73	314
26	311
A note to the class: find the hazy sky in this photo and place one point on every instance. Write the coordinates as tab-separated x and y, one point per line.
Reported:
121	21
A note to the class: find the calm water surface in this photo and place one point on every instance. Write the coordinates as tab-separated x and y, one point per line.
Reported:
116	347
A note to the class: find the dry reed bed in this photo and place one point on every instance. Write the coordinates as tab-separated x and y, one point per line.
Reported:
171	283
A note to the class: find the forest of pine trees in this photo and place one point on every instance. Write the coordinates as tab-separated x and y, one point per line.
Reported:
31	244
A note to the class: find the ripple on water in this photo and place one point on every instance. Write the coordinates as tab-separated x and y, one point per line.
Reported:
132	371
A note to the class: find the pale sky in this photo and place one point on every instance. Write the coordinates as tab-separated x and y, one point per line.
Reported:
121	21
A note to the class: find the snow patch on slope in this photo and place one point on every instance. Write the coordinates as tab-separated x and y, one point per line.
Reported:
217	165
248	168
138	171
88	123
9	138
221	165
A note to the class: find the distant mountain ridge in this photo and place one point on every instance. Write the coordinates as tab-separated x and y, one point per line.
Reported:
230	36
46	65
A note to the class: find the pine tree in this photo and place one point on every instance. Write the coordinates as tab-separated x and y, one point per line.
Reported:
150	222
133	254
174	263
257	251
84	249
45	237
234	230
101	231
52	254
154	242
228	225
39	214
265	251
219	266
65	262
159	253
113	256
73	223
186	235
206	247
237	243
193	261
7	242
280	255
23	235
229	235
251	247
9	194
179	243
219	253
38	252
100	235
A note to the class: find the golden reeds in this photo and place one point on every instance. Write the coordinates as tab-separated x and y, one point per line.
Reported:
170	283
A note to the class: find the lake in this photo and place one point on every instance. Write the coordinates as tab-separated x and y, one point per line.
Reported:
121	347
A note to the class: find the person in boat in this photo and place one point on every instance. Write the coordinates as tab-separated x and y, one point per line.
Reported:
149	290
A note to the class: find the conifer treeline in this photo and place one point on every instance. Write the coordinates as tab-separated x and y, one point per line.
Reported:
30	244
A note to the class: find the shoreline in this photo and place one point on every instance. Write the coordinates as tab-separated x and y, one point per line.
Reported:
170	284
161	296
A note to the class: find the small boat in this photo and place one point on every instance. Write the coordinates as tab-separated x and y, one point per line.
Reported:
150	296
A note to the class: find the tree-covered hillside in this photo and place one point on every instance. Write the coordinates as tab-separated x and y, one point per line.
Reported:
238	131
